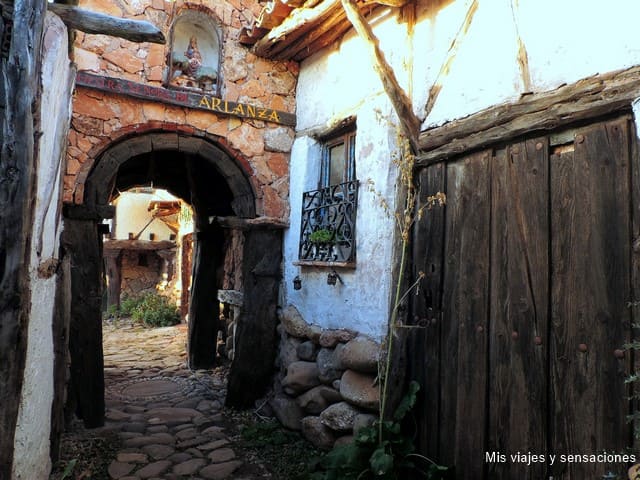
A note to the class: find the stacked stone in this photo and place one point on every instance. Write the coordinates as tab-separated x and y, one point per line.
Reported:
326	387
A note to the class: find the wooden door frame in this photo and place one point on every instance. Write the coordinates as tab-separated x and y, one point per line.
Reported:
260	265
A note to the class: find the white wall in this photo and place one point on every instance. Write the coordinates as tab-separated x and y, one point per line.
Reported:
132	215
564	41
505	48
31	456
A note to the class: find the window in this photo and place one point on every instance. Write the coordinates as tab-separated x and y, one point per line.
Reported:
327	233
338	162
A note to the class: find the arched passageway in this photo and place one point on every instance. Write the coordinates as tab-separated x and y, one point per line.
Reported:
211	179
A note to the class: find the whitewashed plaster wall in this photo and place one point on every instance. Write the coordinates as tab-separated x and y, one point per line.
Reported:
32	443
132	215
361	302
461	56
478	63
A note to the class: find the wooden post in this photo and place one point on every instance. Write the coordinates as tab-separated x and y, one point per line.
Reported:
113	268
21	25
204	309
82	240
409	122
61	351
99	23
255	350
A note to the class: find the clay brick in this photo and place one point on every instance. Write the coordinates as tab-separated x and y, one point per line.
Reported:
253	89
153	111
91	107
200	119
86	60
73	166
278	163
125	59
155	74
84	145
156	56
129	112
87	126
174	115
272	204
247	140
217	127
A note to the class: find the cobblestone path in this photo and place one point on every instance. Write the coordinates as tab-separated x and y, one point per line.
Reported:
170	419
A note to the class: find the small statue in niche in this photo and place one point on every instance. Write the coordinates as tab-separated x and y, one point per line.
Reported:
194	61
190	71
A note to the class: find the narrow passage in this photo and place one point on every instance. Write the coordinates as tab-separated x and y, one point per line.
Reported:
169	421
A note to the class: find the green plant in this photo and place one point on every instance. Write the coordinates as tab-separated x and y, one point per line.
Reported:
155	311
322	235
69	469
392	459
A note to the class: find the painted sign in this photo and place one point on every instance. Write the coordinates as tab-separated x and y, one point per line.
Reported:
183	99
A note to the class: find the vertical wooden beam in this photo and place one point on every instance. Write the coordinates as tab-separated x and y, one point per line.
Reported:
21	26
60	327
426	311
82	240
204	309
409	122
113	267
255	351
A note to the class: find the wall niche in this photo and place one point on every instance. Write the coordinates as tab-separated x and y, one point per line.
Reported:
194	58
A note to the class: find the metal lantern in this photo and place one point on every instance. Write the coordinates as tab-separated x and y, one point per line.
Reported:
297	283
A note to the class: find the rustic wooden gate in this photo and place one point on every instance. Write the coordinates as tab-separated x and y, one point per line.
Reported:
530	268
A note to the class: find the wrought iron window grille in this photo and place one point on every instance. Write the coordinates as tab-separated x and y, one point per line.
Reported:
328	228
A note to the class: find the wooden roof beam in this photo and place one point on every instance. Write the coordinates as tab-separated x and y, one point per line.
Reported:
298	19
409	122
99	23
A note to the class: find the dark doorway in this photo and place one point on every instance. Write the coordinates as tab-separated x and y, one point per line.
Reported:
191	168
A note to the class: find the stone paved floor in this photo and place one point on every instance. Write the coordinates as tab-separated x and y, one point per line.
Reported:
170	419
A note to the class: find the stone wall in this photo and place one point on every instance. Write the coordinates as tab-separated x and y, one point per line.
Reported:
326	382
139	277
101	118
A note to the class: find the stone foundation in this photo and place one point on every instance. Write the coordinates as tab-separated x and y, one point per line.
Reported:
325	386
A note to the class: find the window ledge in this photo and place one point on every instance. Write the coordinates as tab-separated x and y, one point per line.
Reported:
314	263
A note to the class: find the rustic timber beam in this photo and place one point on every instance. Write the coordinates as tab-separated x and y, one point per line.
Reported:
138	245
409	122
588	98
299	21
21	26
251	223
88	212
93	22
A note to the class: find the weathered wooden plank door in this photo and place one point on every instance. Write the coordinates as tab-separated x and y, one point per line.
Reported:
518	307
524	304
464	322
590	291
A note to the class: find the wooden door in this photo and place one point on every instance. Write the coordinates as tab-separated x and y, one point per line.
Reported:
529	274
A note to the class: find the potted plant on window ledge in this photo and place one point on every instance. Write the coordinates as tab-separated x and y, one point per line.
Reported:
322	241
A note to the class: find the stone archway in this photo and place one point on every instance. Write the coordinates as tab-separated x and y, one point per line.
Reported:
209	177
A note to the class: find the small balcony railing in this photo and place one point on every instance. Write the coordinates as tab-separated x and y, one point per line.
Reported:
328	229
